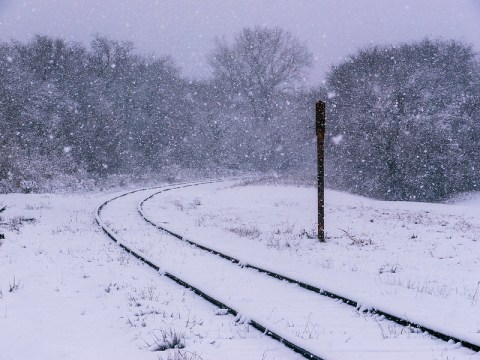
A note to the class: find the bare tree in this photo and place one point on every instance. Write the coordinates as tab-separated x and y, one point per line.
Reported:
259	65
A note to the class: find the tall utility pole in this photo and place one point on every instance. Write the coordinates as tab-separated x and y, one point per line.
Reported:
320	127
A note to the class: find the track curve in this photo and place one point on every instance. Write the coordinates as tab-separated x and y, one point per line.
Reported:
221	305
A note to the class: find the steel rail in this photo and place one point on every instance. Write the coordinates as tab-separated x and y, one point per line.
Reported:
230	310
394	318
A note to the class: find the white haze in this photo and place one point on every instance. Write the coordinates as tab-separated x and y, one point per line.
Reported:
185	29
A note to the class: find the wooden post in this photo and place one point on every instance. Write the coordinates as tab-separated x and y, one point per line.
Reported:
320	127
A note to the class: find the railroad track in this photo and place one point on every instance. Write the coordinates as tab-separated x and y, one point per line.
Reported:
221	305
255	324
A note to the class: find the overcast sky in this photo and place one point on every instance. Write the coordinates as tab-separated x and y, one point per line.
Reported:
185	29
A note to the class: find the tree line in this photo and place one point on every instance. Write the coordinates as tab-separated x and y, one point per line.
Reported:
402	120
405	121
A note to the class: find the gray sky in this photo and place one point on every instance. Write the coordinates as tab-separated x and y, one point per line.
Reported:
185	29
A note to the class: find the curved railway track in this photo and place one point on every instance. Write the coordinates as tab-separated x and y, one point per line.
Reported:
230	310
255	324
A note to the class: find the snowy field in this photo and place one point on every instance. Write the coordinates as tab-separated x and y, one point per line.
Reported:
415	259
68	292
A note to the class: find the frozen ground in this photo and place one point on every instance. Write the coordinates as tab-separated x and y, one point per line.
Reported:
79	296
417	260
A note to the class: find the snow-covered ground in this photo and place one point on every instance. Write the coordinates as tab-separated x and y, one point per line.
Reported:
417	260
79	296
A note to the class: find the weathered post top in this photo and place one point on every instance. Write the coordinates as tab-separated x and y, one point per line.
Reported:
320	116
